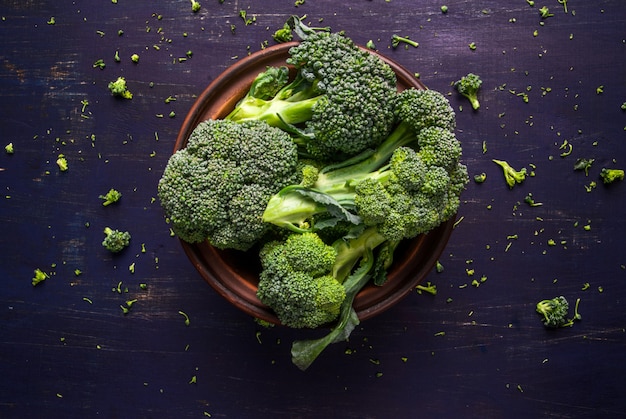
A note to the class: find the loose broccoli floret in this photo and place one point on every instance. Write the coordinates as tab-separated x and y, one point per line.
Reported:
554	312
296	281
217	187
511	175
404	191
39	277
111	197
119	88
468	86
115	240
9	149
340	101
195	6
611	175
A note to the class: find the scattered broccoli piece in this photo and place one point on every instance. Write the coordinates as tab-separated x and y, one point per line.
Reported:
115	240
511	175
468	86
429	288
195	6
120	89
544	12
402	191
611	175
444	9
554	311
583	164
9	149
283	34
111	197
39	277
340	101
396	40
480	177
62	163
296	281
217	187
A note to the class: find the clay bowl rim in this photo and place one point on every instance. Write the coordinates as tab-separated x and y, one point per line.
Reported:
233	274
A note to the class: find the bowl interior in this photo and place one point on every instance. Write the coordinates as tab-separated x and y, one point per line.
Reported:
234	274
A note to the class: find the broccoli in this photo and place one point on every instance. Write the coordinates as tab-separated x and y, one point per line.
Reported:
403	190
468	86
511	175
217	187
554	312
39	277
396	40
339	103
9	149
611	175
296	281
119	88
195	6
283	34
111	197
583	164
115	240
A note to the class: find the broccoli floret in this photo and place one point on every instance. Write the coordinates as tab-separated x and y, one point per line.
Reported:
283	34
195	6
611	175
554	312
511	176
296	281
119	88
217	187
111	197
339	103
468	86
115	240
405	191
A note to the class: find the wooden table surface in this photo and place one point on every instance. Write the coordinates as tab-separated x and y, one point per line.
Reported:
475	350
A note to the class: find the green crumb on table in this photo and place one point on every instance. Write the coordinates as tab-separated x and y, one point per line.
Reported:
62	163
396	40
39	277
111	197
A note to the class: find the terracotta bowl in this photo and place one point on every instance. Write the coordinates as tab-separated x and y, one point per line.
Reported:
234	274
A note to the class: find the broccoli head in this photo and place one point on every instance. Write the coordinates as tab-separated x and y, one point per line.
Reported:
115	240
217	187
296	281
468	86
611	175
339	103
554	311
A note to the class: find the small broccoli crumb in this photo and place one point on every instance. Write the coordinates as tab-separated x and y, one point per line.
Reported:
110	197
283	34
396	40
62	163
480	177
544	12
134	58
195	6
429	288
444	9
119	88
39	277
9	149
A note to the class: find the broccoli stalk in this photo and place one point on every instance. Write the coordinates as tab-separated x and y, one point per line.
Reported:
396	40
115	240
468	86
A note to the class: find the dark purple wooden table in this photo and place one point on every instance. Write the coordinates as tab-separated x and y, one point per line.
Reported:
476	349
